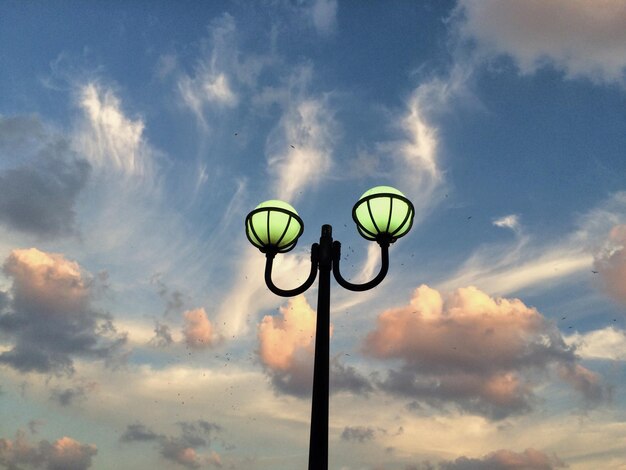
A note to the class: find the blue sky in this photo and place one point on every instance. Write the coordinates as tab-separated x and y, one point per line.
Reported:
136	330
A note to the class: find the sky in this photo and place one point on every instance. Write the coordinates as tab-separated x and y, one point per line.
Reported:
136	330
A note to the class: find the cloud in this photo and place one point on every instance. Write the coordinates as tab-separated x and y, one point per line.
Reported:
507	268
162	336
39	197
63	454
508	221
586	382
110	140
324	16
51	320
286	345
286	349
581	38
347	378
480	353
357	433
505	459
180	449
69	396
198	331
139	433
607	343
611	263
415	156
211	86
299	150
174	299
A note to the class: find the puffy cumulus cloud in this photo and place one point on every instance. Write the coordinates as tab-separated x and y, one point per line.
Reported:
505	459
286	345
482	354
67	453
182	449
50	319
286	349
198	331
607	343
611	263
109	139
62	454
579	37
299	150
38	197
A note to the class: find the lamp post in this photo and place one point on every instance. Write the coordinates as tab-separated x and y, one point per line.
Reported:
383	215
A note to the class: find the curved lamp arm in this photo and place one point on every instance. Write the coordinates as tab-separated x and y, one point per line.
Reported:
384	250
298	290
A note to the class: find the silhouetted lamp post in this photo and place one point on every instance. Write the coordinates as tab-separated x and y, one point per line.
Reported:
382	215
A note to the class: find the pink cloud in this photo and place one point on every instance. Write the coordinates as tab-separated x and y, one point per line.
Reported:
611	264
283	339
62	454
286	346
478	352
198	331
50	318
504	459
46	282
286	349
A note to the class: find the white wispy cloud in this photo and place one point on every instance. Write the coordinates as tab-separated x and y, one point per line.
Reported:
299	150
508	268
528	262
211	83
417	155
108	138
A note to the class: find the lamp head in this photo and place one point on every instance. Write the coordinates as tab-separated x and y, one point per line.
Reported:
383	214
274	227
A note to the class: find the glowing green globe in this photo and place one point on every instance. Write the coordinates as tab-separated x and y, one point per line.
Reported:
274	226
383	214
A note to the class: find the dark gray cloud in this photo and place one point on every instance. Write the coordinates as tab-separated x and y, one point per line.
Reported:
139	433
162	335
33	424
347	378
297	380
70	396
173	298
480	354
50	319
38	197
181	449
63	454
358	433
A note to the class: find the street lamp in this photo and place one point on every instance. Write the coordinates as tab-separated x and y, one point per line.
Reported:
383	215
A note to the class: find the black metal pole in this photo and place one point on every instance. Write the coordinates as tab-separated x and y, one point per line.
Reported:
326	257
318	443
